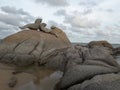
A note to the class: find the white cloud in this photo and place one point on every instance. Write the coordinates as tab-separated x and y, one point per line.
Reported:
81	21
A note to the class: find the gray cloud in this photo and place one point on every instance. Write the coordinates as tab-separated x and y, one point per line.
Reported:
60	12
110	10
6	29
88	11
57	3
53	23
4	33
79	27
4	26
78	19
11	18
13	10
106	10
89	3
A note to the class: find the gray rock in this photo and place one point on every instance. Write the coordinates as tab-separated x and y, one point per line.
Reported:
56	60
73	57
100	54
99	82
24	60
29	46
80	73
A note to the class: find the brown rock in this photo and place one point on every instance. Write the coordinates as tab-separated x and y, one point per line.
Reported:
31	45
100	43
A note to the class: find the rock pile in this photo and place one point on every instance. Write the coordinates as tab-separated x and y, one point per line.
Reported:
91	69
28	47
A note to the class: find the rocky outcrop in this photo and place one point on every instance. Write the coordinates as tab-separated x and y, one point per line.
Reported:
28	47
90	63
100	82
84	68
100	43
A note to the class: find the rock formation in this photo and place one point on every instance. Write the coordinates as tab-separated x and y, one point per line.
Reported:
46	30
28	47
88	64
93	67
99	82
33	26
37	25
100	43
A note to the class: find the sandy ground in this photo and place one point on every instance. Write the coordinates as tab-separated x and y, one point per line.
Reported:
41	80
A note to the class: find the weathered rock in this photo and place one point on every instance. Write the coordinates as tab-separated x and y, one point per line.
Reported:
100	43
91	62
73	57
56	60
80	73
100	82
29	46
12	82
100	54
66	58
33	26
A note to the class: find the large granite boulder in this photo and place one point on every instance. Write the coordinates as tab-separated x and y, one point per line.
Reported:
66	58
100	43
90	63
100	82
29	46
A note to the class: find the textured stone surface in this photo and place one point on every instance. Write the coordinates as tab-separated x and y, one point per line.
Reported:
92	62
100	43
100	54
100	82
29	46
80	73
84	68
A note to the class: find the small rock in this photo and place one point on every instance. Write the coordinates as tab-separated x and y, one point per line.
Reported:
12	82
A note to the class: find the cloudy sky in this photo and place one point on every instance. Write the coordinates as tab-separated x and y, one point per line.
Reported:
81	20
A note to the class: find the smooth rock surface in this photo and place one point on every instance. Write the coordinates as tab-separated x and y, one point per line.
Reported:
29	46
